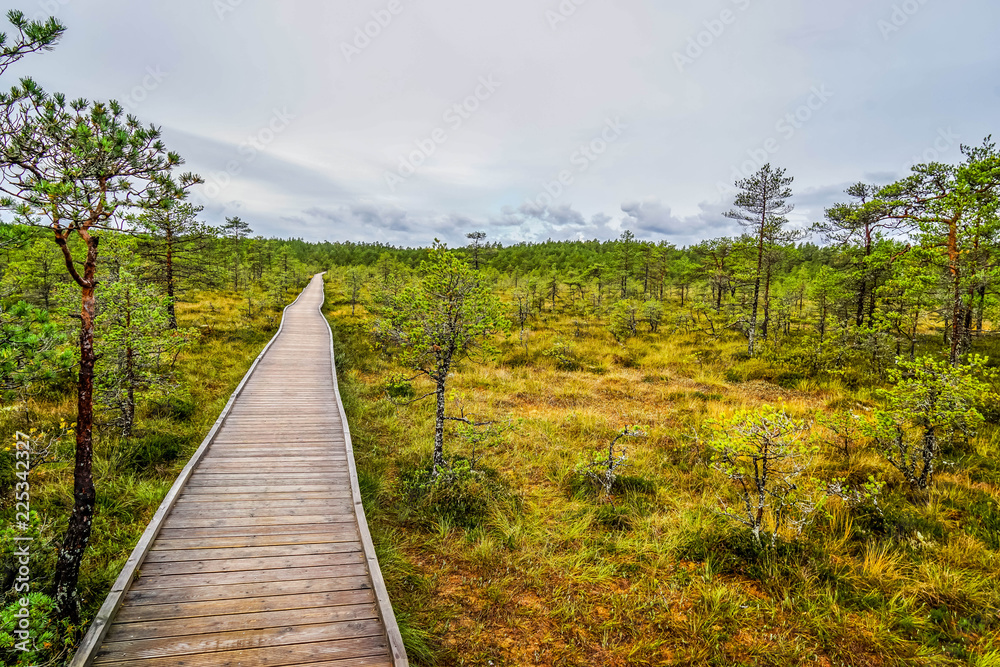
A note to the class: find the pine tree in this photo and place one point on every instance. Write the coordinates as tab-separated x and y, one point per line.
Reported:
761	207
81	168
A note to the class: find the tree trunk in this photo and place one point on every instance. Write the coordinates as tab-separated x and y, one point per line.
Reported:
756	290
767	302
128	417
84	494
957	315
439	462
981	309
860	317
171	315
967	325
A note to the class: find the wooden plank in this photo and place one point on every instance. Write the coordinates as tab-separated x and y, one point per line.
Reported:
187	610
303	476
242	531
255	521
210	489
342	533
244	594
344	557
248	576
208	495
241	622
187	512
221	462
225	553
206	503
233	479
361	632
365	652
234	458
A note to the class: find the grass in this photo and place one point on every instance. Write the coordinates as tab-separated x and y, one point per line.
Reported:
551	575
132	476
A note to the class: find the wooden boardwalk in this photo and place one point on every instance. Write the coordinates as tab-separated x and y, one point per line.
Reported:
260	555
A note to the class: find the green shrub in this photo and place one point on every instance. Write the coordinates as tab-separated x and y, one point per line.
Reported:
48	637
398	386
141	454
564	355
461	494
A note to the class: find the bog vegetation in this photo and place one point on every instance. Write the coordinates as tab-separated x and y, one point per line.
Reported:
774	448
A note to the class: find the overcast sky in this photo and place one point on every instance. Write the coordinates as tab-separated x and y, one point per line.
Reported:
404	120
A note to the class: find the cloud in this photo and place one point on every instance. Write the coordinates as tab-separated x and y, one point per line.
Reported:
650	218
536	222
324	175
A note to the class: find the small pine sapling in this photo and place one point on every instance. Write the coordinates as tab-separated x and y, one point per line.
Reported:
607	464
932	404
764	455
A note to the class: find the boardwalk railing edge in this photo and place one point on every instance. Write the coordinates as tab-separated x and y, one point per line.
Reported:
87	650
385	611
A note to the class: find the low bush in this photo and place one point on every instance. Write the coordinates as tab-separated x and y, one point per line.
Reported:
462	495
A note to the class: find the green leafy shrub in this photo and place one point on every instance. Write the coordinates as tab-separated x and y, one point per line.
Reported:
605	466
459	493
932	408
47	637
564	355
398	386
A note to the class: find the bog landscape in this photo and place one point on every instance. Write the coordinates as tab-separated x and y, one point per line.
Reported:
777	445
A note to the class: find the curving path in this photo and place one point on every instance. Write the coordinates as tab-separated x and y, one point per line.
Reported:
260	556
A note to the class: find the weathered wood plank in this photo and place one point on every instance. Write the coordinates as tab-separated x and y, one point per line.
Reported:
248	576
227	593
220	642
132	613
287	488
239	622
243	531
252	521
343	533
209	495
225	553
367	652
187	512
208	504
